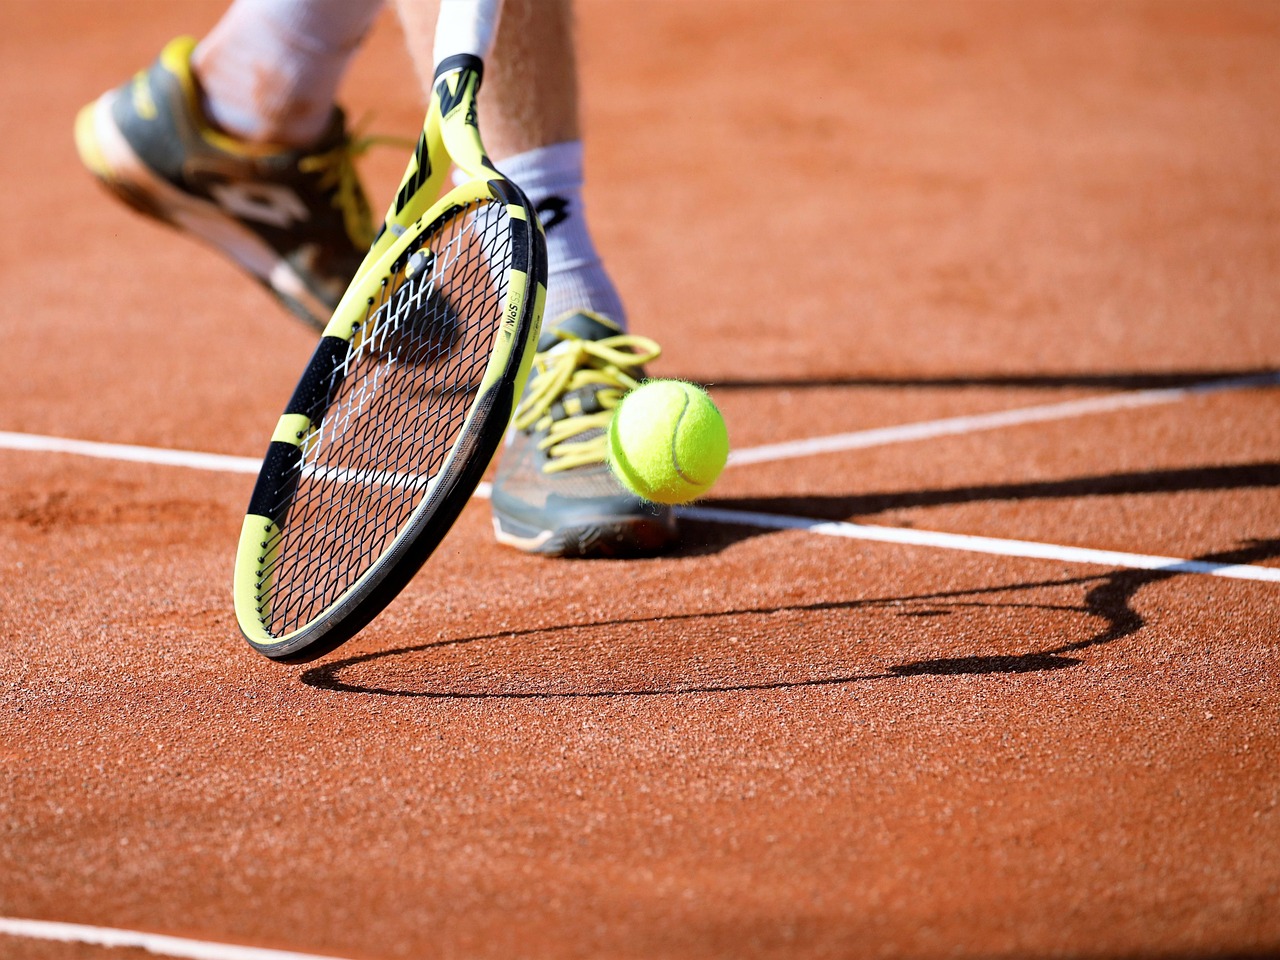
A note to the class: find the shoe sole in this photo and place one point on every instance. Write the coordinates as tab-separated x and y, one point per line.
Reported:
622	537
108	156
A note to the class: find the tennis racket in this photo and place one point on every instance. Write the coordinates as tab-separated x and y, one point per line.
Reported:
412	385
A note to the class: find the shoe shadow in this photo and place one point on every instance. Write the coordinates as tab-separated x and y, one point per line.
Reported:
763	648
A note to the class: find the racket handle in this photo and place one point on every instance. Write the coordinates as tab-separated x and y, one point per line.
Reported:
465	26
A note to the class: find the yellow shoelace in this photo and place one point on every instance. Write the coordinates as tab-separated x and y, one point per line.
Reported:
573	365
337	169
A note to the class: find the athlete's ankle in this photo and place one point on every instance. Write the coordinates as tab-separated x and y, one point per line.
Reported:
552	177
270	69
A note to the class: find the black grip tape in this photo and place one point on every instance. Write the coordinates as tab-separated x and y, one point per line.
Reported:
321	379
277	480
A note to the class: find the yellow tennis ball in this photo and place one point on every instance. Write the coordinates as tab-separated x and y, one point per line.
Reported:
667	441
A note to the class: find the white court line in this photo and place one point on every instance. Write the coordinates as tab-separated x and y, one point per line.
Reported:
217	462
952	426
847	441
151	942
857	440
971	544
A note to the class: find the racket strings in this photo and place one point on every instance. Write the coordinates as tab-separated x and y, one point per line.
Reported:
396	406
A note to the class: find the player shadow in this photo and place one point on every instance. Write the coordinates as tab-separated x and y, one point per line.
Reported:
1108	598
1115	380
700	539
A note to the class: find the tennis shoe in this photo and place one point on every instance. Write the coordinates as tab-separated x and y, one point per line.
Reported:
553	494
296	219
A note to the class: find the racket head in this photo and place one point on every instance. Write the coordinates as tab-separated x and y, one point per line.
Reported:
397	415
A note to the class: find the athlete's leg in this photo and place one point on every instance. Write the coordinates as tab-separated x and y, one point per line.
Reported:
270	69
529	118
529	114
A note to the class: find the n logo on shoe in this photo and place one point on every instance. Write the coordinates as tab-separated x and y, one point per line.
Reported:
552	211
268	203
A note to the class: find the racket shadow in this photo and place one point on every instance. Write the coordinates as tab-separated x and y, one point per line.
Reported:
590	668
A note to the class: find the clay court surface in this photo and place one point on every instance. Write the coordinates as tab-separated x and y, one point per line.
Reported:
785	739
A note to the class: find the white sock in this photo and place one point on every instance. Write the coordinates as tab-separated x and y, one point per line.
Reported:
576	278
270	69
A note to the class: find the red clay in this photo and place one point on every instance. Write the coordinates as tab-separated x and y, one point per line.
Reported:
842	216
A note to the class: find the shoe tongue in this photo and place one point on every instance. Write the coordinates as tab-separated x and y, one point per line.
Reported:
584	326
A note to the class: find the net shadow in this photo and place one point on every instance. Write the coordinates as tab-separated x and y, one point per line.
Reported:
1113	380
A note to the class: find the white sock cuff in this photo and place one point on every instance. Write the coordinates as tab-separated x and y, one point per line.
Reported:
549	169
551	177
542	170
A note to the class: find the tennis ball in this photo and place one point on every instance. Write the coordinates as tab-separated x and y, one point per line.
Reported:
667	441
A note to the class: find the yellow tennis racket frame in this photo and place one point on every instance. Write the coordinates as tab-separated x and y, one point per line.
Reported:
449	134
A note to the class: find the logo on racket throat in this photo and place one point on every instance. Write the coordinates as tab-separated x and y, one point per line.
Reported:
450	99
416	180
